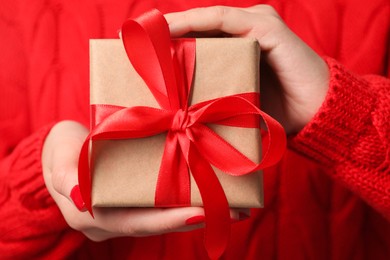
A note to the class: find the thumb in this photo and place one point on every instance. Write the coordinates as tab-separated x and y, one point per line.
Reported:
60	160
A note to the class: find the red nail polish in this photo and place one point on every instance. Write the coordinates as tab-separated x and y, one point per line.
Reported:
75	195
243	216
195	220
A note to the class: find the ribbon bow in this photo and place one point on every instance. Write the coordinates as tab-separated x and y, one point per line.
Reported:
167	68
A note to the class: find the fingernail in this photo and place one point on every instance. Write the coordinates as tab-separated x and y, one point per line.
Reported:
75	195
195	220
243	216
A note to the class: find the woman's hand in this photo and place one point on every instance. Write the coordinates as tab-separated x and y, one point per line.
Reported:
60	162
294	79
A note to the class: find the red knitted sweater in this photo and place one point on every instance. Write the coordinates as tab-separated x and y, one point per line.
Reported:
328	199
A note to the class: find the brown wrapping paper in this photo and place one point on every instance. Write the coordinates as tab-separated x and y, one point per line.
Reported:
125	171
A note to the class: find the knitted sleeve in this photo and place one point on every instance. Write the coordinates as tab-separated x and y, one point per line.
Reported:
350	135
31	225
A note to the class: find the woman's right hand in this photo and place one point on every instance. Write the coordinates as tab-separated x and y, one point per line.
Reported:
60	163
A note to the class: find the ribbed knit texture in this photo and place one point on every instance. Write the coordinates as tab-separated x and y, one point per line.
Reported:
351	135
31	223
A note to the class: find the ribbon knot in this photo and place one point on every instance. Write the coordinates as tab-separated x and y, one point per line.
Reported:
180	121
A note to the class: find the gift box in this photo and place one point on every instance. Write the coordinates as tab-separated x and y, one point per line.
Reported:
125	172
178	127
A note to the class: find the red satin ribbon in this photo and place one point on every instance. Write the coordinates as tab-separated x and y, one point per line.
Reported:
167	68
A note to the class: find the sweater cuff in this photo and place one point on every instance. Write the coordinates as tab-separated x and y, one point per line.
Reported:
23	171
341	120
31	215
34	227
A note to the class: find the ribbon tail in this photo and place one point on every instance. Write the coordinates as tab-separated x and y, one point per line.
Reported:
212	146
216	207
85	178
173	183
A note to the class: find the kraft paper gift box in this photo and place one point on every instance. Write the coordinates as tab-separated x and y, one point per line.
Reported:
125	171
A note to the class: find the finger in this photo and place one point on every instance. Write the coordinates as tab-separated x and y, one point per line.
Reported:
64	172
140	222
220	18
261	9
67	140
260	22
153	221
